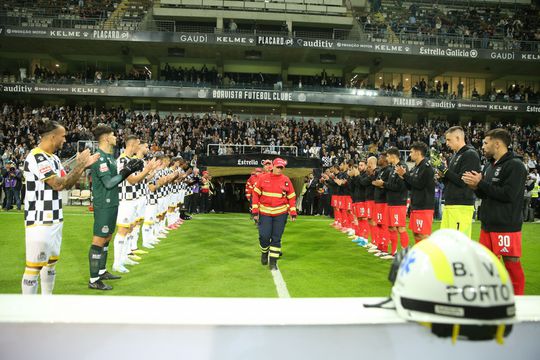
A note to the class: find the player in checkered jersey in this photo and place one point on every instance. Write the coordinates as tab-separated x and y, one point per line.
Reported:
169	176
151	207
173	216
45	178
127	216
141	197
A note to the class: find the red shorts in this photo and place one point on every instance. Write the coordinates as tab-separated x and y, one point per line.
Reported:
397	215
369	204
359	209
334	201
347	203
502	243
421	221
380	213
339	201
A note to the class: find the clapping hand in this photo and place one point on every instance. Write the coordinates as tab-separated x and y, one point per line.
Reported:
471	178
400	170
86	159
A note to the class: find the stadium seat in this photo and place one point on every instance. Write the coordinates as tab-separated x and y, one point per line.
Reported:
74	194
85	196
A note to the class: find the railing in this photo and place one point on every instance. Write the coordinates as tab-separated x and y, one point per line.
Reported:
238	149
491	43
532	98
370	35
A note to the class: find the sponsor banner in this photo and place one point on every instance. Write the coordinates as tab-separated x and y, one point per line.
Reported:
267	40
255	160
235	39
274	40
250	95
52	89
262	96
82	34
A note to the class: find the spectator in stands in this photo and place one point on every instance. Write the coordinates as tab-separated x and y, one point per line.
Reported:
232	26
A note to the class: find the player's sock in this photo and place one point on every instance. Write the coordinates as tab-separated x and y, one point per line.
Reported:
119	241
515	270
94	257
374	234
29	282
337	218
404	239
135	237
103	262
126	249
393	237
48	275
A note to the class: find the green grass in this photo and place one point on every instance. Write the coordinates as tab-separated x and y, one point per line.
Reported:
217	256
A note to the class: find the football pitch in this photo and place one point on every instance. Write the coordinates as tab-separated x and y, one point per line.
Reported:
217	255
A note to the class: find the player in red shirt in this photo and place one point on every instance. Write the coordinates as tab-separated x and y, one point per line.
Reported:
501	187
273	199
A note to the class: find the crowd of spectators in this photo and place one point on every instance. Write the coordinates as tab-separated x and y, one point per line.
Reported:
478	26
188	135
82	9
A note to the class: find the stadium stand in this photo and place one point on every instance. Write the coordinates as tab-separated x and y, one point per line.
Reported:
467	25
188	135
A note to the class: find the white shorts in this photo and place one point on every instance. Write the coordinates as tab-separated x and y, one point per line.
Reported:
161	205
181	196
141	208
43	244
126	213
150	214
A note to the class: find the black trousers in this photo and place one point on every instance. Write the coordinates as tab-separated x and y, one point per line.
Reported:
270	232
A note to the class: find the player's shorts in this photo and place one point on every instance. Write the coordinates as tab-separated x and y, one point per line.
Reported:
347	203
369	205
43	244
141	208
181	196
421	221
127	213
150	214
105	221
339	199
458	217
380	213
397	215
160	205
502	243
359	209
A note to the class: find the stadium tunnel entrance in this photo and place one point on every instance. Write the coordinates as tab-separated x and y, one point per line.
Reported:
234	170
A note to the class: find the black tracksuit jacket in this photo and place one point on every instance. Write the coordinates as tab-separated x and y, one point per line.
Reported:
501	191
456	192
421	181
396	190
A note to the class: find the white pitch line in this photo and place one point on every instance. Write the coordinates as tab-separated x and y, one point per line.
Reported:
281	287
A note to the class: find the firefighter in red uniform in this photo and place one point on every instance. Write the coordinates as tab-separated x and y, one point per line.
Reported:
273	198
267	166
251	182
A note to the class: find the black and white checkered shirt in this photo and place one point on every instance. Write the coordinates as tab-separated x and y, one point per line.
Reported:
141	188
153	195
42	204
126	191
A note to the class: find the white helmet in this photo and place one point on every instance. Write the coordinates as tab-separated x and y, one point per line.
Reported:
450	279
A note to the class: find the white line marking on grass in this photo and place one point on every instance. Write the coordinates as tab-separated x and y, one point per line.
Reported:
281	287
